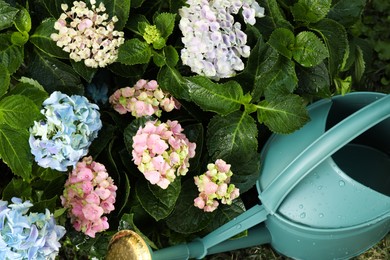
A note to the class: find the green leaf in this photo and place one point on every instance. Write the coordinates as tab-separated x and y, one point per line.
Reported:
125	195
85	72
18	111
19	38
220	98
7	14
245	170
310	11
274	18
133	52
171	56
195	134
5	80
11	55
360	65
335	38
186	218
32	82
120	9
309	50
165	22
135	22
127	222
136	3
284	114
314	81
168	196
41	206
170	80
234	135
17	186
226	213
150	202
105	136
280	78
53	7
283	41
54	75
48	174
37	95
158	58
23	21
15	151
41	39
347	12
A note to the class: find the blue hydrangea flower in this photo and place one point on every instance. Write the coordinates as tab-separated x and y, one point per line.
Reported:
71	124
32	236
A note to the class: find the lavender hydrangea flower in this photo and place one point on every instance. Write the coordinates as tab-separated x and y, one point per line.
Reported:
71	123
32	236
213	41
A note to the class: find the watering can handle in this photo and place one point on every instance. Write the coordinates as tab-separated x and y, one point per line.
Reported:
321	149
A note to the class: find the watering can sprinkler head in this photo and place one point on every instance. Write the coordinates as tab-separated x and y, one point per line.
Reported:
128	245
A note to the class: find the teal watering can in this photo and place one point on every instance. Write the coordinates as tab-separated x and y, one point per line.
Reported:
324	190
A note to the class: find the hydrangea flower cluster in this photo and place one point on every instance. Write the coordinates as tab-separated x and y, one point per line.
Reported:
213	41
27	236
89	193
161	151
214	185
87	35
63	137
144	99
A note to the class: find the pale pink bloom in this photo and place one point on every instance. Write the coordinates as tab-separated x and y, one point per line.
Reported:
92	211
86	23
222	165
89	198
85	174
103	193
210	208
210	188
199	202
164	155
213	185
87	187
93	198
145	98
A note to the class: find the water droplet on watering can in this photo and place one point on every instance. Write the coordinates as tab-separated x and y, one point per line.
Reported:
303	215
239	226
321	215
341	183
301	206
319	187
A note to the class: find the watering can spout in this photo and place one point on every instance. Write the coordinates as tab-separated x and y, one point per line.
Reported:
121	246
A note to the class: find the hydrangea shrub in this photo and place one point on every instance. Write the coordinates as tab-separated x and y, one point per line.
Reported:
26	235
214	186
145	98
213	40
88	195
87	34
69	126
161	152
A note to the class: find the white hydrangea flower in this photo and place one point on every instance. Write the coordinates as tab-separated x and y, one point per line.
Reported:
213	41
87	34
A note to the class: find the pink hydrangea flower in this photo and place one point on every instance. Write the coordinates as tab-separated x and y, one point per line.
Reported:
161	151
145	98
89	193
214	186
